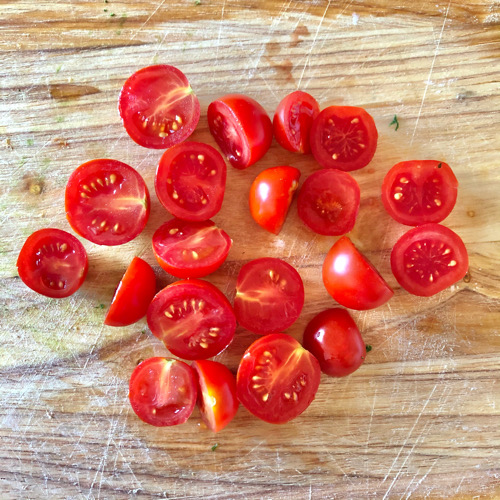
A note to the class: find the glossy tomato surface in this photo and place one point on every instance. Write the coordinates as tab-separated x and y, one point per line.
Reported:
158	107
351	279
270	196
419	191
241	128
190	181
269	295
53	263
162	391
343	137
107	202
133	294
328	202
192	318
277	378
428	259
190	249
293	120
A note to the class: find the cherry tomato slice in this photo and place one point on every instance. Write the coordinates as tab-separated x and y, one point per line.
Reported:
162	391
107	202
133	294
351	280
190	181
334	339
190	249
419	191
270	196
158	107
241	128
216	394
293	120
277	378
53	263
269	295
428	259
192	318
328	202
343	137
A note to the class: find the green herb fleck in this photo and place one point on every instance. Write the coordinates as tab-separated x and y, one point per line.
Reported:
106	1
123	19
118	32
100	306
395	122
440	165
30	142
105	10
368	348
197	2
143	332
215	446
60	119
59	68
24	159
112	14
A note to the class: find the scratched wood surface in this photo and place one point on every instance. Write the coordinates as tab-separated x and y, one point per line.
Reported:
421	418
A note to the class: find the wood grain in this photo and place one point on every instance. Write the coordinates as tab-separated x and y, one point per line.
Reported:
420	419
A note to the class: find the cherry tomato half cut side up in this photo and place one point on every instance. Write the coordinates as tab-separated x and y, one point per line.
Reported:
277	378
241	128
158	107
428	259
270	196
133	294
190	181
53	263
343	137
293	120
162	391
351	280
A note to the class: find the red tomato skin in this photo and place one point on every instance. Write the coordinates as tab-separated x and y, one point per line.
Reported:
249	121
133	294
216	394
270	196
351	280
334	339
302	108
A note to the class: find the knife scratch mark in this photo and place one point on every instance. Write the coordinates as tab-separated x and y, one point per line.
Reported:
148	19
219	36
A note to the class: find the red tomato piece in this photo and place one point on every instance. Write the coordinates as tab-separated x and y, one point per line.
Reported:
158	107
53	263
269	295
270	196
293	120
343	137
417	192
328	202
351	280
190	181
429	258
241	128
190	249
192	318
216	394
335	340
133	294
107	202
277	378
163	391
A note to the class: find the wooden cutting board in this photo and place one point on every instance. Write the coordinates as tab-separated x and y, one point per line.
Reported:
421	418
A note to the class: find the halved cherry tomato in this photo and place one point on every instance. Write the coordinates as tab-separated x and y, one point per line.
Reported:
107	202
53	263
158	107
216	394
328	202
192	318
269	295
241	128
343	137
419	191
190	181
293	120
277	378
133	294
270	196
162	391
334	339
429	258
190	249
351	280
